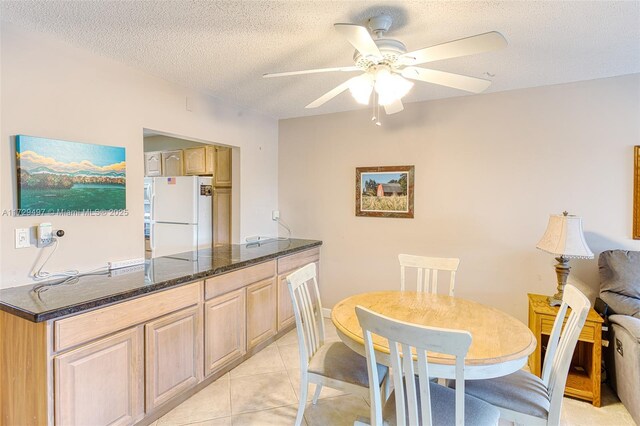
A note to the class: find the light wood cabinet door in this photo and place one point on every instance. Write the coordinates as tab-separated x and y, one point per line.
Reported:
173	355
225	328
101	383
221	216
285	307
195	161
261	312
172	163
210	159
153	164
222	175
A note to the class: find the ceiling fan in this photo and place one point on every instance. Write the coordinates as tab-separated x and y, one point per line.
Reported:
387	67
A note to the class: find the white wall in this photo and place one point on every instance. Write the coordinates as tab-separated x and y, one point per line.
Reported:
53	90
489	170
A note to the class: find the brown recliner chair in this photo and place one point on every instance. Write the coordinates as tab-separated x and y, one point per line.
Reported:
620	290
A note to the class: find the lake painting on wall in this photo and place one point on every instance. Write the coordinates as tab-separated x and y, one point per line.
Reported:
58	177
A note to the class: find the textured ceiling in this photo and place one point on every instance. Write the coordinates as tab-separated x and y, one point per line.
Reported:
224	47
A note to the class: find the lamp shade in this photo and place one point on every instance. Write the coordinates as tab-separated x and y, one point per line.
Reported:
564	237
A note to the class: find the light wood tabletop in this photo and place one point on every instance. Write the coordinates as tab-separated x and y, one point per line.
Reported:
500	345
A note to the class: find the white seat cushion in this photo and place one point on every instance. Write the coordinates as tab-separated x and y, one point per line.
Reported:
521	391
443	408
335	360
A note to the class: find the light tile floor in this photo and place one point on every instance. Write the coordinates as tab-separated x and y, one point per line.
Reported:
264	391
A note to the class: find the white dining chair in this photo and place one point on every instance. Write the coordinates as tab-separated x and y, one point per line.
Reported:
330	364
423	402
524	398
427	271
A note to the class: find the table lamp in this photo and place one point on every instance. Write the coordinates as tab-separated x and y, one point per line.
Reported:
564	238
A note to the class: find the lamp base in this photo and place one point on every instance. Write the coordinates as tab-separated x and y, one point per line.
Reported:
562	273
554	301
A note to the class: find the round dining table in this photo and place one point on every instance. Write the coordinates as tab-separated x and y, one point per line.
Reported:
500	343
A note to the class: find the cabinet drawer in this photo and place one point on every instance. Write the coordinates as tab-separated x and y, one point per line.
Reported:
237	279
587	334
74	330
295	261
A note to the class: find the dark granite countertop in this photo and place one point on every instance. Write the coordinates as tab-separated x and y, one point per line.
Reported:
52	299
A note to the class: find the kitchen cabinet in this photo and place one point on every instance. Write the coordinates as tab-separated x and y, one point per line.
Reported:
101	383
221	216
173	360
153	164
261	312
199	160
134	360
210	160
222	175
287	265
225	333
172	163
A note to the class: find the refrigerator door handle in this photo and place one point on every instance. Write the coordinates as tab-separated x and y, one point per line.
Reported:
153	206
151	238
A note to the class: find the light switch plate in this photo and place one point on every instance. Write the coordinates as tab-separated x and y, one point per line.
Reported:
22	238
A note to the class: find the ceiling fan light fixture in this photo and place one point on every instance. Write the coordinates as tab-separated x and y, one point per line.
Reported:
391	87
387	67
361	89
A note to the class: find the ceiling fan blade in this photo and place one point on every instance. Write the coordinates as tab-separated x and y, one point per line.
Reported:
314	71
393	107
457	81
465	46
334	92
359	38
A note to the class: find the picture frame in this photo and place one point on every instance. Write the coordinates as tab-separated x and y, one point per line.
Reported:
636	192
69	178
385	191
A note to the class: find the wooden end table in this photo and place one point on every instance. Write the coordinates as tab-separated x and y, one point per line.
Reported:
583	381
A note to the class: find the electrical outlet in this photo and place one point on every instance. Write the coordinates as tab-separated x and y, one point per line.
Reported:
22	238
44	235
275	215
125	263
126	270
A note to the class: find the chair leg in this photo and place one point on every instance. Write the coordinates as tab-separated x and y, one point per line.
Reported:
304	387
316	394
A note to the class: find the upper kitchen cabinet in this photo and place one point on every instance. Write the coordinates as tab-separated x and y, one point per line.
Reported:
199	161
153	164
172	163
222	175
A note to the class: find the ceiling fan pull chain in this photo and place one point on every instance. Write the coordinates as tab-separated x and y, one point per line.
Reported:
373	107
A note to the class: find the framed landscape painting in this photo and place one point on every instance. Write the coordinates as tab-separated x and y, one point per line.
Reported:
58	177
636	192
385	191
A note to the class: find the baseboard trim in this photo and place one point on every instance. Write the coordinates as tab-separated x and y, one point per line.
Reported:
326	312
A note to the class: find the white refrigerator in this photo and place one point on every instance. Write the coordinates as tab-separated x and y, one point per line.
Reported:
180	216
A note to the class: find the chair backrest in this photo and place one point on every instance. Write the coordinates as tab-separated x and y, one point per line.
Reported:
427	271
307	309
562	343
404	338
